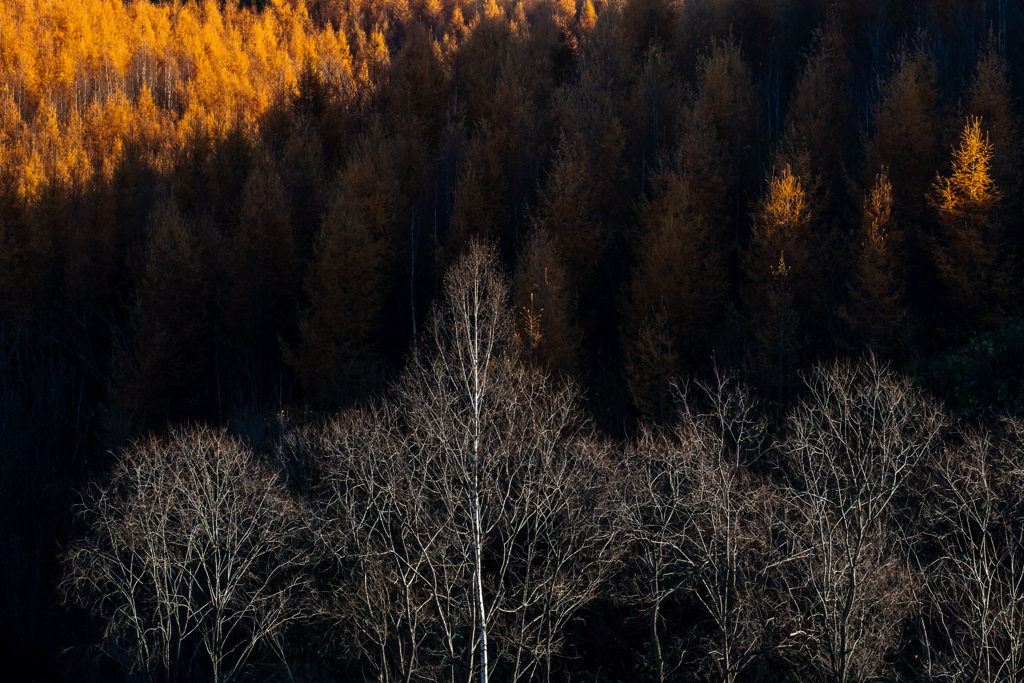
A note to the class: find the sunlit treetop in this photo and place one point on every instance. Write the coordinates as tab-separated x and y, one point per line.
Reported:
971	184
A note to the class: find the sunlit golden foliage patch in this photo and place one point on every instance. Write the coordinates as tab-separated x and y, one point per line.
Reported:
77	79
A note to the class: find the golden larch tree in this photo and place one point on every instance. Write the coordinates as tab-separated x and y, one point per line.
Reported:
966	255
781	275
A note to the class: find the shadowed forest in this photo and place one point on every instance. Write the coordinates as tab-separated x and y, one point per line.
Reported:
512	340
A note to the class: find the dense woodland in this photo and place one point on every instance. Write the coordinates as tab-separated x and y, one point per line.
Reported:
527	340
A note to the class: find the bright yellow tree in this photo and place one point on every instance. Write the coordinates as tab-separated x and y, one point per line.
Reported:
966	201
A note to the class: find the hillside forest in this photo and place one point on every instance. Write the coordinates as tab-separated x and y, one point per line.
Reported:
512	340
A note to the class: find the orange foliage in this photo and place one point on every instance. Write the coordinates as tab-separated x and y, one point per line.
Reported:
781	272
82	77
966	202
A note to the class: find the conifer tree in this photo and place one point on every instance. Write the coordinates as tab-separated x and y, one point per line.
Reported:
545	308
990	99
908	133
263	277
817	127
172	371
345	286
781	275
680	285
569	212
417	93
966	201
726	99
479	209
876	312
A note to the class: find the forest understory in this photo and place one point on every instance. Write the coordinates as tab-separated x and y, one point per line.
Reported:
523	340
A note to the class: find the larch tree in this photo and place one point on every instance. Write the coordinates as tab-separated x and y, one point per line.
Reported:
345	285
726	98
876	311
263	277
652	365
781	274
681	277
569	211
16	269
908	134
965	202
545	307
581	197
481	192
817	127
990	99
417	95
305	185
582	205
170	368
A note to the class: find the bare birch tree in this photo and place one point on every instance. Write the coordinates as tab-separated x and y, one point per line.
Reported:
512	467
191	558
472	358
477	483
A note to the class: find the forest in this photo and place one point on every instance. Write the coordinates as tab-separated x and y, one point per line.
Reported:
512	340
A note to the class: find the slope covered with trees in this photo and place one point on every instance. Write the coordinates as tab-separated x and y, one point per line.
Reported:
237	233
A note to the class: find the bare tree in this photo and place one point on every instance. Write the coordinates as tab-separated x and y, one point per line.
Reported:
701	525
658	525
400	568
852	443
976	585
734	548
471	359
478	483
557	540
191	558
516	471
